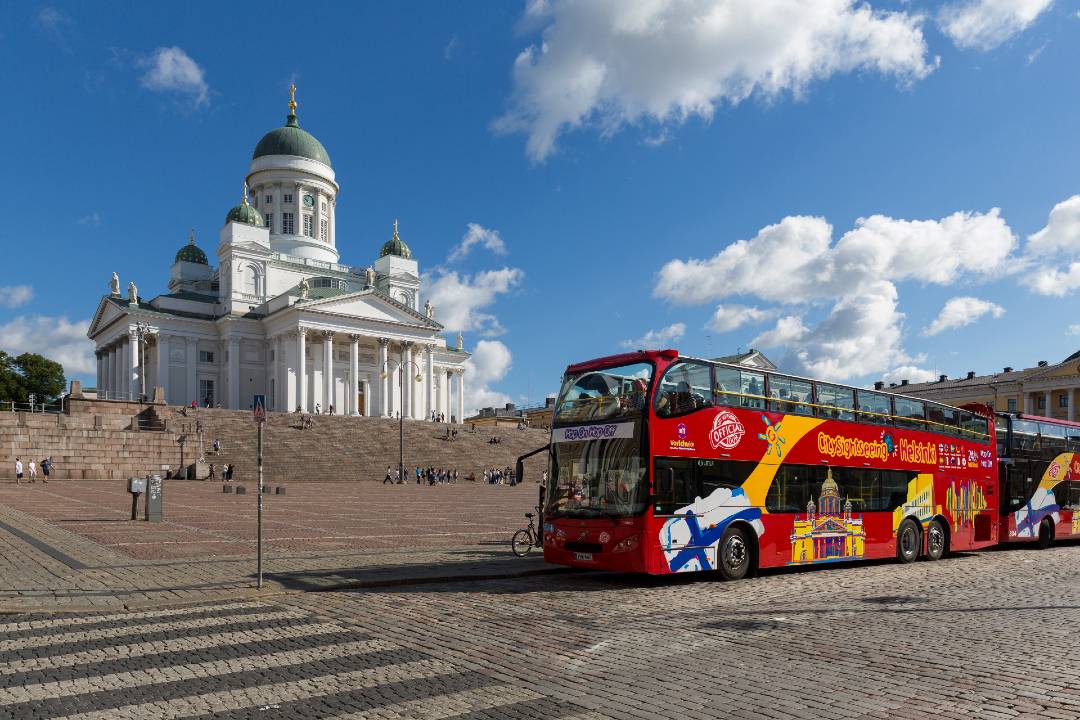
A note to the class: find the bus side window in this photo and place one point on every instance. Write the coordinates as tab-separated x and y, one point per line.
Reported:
894	488
792	488
713	475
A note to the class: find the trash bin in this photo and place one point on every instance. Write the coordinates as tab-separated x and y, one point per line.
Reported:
136	486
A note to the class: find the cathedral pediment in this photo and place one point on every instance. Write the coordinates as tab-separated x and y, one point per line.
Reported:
108	310
369	305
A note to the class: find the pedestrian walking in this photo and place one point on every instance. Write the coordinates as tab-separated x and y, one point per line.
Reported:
46	468
33	470
318	409
213	473
387	479
331	410
217	445
18	471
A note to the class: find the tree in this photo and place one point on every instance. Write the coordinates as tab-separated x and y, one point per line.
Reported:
43	378
30	374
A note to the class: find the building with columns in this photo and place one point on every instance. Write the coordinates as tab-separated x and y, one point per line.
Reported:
1048	390
280	316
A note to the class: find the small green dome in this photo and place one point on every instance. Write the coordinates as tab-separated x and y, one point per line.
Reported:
245	213
291	140
192	254
396	246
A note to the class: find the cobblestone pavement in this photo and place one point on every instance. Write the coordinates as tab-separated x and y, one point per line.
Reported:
986	635
72	546
201	521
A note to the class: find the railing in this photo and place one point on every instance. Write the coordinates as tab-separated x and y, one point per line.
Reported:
12	406
115	395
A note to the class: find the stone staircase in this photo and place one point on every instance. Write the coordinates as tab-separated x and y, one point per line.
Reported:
342	448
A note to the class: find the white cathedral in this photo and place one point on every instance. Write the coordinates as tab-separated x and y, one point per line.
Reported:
280	316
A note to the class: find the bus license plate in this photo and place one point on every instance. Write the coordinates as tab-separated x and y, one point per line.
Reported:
587	557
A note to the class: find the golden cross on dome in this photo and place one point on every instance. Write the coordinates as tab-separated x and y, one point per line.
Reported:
245	192
191	236
395	227
292	98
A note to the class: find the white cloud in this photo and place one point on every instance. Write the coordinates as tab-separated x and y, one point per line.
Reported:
13	296
793	261
656	339
961	311
1073	330
1053	282
459	299
170	69
788	329
730	317
476	234
91	220
56	338
611	63
911	373
490	362
985	24
1062	230
58	25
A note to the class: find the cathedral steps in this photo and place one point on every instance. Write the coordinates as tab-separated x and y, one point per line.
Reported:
105	445
358	448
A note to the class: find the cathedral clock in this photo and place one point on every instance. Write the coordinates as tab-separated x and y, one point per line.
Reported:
308	201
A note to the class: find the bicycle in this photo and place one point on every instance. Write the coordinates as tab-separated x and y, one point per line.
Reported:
526	539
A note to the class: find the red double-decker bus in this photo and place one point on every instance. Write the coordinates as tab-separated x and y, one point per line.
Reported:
1039	461
663	464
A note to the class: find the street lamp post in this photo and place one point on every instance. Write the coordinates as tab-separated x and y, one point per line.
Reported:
400	365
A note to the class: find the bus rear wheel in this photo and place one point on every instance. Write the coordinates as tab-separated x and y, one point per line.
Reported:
937	542
733	553
1046	535
908	542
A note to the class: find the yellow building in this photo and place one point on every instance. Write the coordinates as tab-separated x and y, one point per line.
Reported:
828	532
1046	390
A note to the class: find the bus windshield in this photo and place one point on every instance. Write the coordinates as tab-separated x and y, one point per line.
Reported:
597	471
607	394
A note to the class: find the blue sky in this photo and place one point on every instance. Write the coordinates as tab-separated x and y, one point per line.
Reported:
619	150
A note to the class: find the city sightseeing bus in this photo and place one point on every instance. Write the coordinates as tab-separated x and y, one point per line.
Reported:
664	464
1039	461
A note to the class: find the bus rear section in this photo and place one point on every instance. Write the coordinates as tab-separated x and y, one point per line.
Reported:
1039	477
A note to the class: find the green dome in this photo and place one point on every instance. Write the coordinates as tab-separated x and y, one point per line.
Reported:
245	213
291	140
192	254
396	246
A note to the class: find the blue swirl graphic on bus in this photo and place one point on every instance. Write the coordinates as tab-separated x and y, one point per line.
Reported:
689	540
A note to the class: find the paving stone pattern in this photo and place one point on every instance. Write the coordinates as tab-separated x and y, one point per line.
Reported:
240	660
979	636
986	635
70	545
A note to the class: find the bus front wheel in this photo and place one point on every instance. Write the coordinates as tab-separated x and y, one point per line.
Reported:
734	554
908	542
1046	535
937	542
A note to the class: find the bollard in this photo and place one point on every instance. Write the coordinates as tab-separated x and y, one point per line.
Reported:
226	489
155	491
279	490
241	490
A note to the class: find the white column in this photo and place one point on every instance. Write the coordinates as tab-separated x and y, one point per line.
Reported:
367	398
384	378
192	352
430	394
97	377
328	370
163	366
1071	394
461	397
1048	410
122	362
234	373
354	376
301	368
406	381
444	394
134	369
1027	403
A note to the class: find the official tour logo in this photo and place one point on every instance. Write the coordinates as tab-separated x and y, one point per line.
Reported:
727	431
